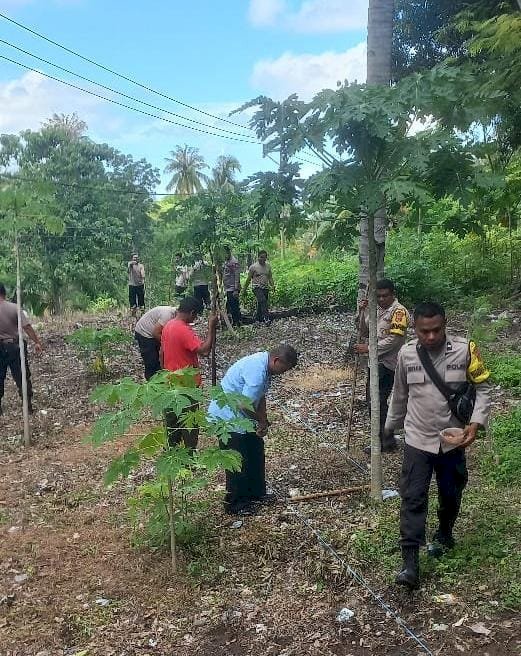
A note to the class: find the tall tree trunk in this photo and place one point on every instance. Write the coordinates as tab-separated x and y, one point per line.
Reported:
373	227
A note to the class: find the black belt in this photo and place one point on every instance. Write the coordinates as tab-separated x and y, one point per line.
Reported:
9	341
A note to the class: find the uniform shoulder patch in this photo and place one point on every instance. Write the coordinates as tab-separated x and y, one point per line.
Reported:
476	369
399	322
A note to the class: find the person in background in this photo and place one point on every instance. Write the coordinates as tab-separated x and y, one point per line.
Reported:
261	278
148	333
182	275
231	273
201	276
392	322
136	284
418	405
180	348
10	348
251	377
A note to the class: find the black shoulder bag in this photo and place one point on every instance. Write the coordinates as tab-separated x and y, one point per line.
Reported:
461	400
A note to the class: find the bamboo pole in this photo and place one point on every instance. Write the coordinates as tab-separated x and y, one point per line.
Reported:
21	345
330	493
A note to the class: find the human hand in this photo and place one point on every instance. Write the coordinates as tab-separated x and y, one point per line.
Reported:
361	349
236	293
262	429
38	347
212	321
469	435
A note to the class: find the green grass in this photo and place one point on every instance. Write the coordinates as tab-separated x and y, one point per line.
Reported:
487	552
506	371
501	460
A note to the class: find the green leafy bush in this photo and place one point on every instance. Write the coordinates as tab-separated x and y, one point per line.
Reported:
98	344
323	282
502	463
506	371
102	304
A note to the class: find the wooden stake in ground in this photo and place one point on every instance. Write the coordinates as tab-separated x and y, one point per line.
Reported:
376	452
353	386
25	397
213	361
330	493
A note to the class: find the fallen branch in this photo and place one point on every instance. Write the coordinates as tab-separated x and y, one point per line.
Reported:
330	493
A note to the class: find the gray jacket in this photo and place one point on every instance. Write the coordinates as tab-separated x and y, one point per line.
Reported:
417	404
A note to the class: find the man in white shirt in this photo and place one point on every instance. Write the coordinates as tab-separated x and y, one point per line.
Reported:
148	333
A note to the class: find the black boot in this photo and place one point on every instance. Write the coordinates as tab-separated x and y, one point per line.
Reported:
410	574
442	541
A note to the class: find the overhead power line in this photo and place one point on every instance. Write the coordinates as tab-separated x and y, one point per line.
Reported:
120	75
120	104
121	93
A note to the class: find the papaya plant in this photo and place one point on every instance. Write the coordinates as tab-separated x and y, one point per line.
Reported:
97	344
179	472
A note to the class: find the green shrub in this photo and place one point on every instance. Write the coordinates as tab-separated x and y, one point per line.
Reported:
506	371
102	304
502	463
323	282
97	344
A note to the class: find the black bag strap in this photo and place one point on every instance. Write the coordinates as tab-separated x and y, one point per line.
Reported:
429	367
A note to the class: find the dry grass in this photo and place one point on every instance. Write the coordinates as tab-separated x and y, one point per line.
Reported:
317	378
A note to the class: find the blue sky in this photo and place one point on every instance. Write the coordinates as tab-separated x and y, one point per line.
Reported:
213	54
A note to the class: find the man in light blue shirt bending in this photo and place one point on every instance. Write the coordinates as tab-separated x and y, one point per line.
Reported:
251	377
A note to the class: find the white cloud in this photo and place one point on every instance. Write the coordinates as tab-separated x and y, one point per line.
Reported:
307	74
263	13
27	101
310	16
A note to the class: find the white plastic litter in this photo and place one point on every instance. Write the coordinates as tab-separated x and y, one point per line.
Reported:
344	615
389	494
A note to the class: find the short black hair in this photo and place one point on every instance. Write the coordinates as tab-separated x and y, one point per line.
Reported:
3	290
385	283
190	304
263	252
428	310
286	353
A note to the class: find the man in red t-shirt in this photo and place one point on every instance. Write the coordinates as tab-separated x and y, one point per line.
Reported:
180	347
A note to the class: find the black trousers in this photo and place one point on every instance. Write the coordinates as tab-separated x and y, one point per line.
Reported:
136	296
250	483
262	296
177	433
385	385
149	349
202	293
233	308
10	360
451	477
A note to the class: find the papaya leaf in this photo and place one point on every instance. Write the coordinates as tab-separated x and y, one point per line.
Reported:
122	466
153	442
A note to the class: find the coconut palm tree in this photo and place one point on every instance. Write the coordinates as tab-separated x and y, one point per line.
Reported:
223	173
186	164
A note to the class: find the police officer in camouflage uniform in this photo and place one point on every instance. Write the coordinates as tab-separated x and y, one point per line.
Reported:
393	320
421	408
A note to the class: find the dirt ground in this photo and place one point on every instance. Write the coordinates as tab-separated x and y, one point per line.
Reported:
71	581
